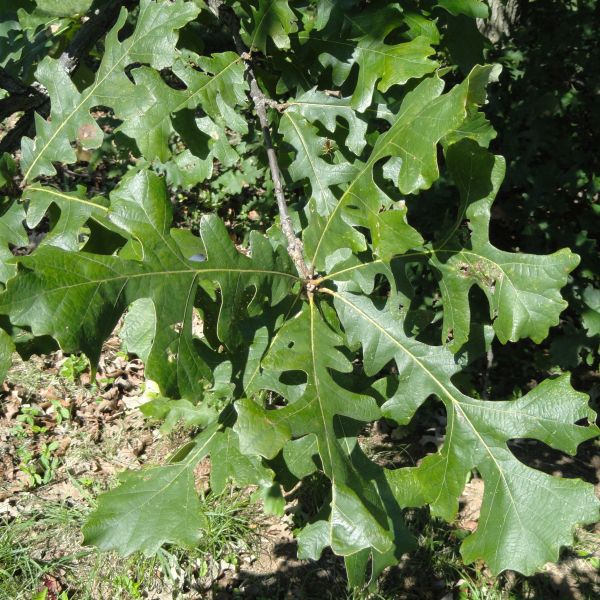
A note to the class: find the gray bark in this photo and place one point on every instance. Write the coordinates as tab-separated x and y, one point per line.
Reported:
503	16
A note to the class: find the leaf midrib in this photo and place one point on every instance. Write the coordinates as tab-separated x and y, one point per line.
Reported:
197	272
308	154
53	192
189	460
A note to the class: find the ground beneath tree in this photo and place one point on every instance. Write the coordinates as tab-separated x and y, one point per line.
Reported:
65	435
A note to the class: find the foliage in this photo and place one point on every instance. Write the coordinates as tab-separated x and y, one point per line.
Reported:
553	196
42	470
285	370
73	367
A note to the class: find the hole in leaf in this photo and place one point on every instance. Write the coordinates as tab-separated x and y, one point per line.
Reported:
293	378
395	446
540	456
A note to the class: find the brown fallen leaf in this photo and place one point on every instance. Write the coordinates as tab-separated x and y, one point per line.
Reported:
53	586
11	407
63	446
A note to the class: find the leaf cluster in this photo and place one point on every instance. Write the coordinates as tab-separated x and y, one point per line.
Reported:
282	371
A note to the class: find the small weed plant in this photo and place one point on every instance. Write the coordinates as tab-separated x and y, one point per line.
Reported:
73	367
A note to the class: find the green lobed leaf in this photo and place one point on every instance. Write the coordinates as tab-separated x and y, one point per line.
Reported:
361	43
314	106
308	161
75	210
357	518
477	434
316	157
57	288
272	19
151	507
425	117
150	112
159	505
152	42
523	290
421	26
209	142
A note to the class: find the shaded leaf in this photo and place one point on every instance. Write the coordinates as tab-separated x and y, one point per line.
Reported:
379	64
12	233
523	290
272	19
471	8
7	347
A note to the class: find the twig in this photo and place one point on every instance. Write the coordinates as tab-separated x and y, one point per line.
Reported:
23	127
16	103
22	98
260	102
489	358
278	106
13	85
